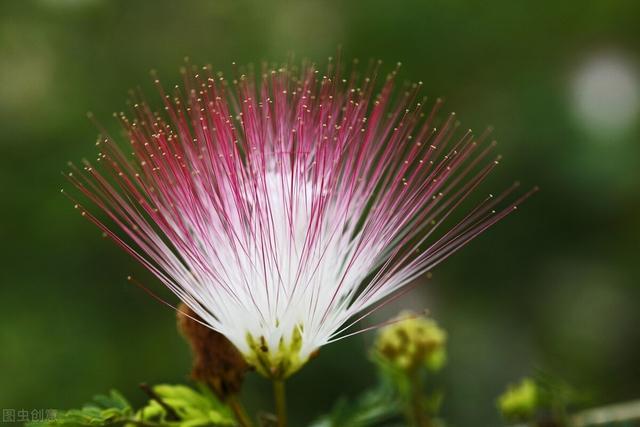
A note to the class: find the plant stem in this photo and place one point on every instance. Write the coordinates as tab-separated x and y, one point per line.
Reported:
617	413
281	402
418	416
172	415
239	411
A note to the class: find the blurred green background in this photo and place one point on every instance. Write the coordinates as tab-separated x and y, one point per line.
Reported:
554	286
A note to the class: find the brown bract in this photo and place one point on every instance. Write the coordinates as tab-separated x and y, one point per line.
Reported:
216	361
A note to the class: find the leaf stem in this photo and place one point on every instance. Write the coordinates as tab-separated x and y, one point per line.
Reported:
281	402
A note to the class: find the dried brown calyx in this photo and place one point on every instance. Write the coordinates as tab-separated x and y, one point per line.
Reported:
216	361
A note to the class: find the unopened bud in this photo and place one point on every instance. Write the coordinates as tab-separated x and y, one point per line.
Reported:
411	343
519	402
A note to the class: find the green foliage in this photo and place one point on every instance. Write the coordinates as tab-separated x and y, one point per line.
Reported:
193	408
181	406
373	408
556	394
103	410
539	398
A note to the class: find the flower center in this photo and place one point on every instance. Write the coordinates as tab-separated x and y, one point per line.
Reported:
279	362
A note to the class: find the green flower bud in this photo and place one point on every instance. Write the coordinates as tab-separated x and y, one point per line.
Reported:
520	401
411	343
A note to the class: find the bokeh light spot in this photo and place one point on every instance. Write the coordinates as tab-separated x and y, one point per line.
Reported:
606	95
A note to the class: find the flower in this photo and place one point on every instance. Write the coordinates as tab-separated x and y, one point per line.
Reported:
284	206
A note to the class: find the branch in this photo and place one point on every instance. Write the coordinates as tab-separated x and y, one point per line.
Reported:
172	415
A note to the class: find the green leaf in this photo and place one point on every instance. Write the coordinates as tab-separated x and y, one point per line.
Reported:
194	408
103	410
371	409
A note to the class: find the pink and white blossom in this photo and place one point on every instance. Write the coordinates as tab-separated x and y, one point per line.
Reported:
283	206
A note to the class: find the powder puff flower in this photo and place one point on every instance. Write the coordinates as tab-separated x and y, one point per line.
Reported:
284	206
